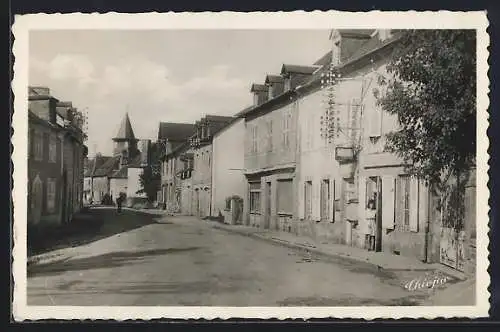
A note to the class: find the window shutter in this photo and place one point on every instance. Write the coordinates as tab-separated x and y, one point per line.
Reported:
413	204
302	198
362	198
336	199
331	216
388	202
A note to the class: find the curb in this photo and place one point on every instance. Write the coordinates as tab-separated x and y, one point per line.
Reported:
283	243
47	259
338	256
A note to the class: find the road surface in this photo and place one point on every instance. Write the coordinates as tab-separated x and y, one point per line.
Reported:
170	261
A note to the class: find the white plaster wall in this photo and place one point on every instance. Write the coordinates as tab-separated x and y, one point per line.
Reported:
228	162
133	183
116	186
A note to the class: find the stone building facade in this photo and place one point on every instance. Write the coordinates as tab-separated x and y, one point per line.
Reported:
56	154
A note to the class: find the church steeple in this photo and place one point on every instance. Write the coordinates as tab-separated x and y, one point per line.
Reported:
125	132
125	143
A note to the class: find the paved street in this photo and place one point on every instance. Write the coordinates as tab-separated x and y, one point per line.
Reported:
185	261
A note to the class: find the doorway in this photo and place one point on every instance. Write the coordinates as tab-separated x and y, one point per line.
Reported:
267	217
374	191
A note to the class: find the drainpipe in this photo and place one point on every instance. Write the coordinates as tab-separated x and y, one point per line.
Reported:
427	228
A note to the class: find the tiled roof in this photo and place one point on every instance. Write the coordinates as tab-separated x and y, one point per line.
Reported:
298	69
175	131
371	45
274	79
95	163
125	131
136	162
356	32
218	118
258	87
90	168
243	111
120	174
108	167
324	60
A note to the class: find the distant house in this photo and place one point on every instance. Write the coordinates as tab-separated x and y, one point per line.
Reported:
108	176
228	178
56	153
271	151
201	144
174	166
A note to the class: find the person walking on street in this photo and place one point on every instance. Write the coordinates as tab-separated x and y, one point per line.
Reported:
370	215
119	201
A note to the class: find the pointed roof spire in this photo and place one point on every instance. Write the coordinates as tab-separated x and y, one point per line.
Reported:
125	132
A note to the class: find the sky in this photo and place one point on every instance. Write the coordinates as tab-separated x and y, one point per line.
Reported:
161	75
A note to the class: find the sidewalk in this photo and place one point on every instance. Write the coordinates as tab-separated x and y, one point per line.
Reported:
375	260
95	240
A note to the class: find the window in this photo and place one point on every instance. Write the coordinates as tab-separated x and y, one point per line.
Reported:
403	203
308	200
38	146
270	135
254	197
52	148
325	199
51	195
255	99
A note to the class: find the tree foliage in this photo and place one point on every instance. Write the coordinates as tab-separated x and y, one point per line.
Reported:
150	183
432	90
150	179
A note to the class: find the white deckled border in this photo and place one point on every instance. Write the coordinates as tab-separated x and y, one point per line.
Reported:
231	20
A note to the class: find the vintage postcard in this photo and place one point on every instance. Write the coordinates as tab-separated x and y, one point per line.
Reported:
250	165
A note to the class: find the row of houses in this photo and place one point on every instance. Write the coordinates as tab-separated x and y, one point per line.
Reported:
56	153
108	177
309	154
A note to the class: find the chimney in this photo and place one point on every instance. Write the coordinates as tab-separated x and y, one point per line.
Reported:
38	91
42	104
260	94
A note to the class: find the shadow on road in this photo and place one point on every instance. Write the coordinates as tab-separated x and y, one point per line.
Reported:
86	227
109	260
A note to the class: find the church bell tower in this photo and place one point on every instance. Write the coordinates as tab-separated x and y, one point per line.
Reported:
125	143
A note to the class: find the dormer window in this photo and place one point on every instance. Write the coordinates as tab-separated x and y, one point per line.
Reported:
255	99
270	92
288	83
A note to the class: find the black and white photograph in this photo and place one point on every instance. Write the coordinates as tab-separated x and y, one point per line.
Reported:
262	166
